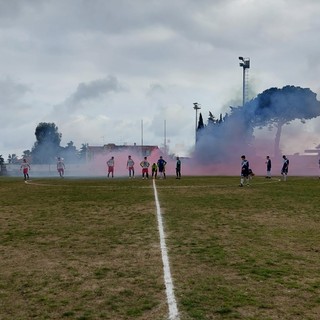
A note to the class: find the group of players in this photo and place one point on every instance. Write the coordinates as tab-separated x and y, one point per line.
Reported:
25	168
247	173
159	166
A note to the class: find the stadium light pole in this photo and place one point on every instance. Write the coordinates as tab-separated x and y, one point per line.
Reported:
165	136
142	136
245	64
196	107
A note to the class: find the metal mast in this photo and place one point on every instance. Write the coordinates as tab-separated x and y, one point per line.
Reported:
196	107
245	64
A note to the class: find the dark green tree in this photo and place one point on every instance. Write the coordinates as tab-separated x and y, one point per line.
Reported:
12	158
276	107
3	169
26	154
70	153
200	122
200	127
83	152
47	146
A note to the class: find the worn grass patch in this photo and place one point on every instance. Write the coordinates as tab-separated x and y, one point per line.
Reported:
245	253
84	249
89	248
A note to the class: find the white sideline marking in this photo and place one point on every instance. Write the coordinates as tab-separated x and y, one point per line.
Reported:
173	309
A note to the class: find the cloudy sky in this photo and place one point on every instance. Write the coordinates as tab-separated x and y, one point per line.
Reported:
99	69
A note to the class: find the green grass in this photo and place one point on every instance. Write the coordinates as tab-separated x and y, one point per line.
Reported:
89	248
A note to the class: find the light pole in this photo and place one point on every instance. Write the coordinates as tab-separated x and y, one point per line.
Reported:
142	137
245	64
196	107
165	136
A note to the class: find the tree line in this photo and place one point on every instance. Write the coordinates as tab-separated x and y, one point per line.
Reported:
233	133
47	148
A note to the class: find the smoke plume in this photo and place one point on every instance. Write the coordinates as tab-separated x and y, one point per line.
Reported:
231	135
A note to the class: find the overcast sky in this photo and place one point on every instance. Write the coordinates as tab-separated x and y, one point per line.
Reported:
97	68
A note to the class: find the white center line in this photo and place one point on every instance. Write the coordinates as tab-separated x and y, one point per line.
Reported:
172	305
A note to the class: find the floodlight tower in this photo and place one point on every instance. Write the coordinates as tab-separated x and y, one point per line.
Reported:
245	64
196	107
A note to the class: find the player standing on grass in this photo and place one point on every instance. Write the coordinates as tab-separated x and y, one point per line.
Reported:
60	167
154	170
110	164
285	168
244	171
130	166
145	167
178	168
268	163
25	167
162	167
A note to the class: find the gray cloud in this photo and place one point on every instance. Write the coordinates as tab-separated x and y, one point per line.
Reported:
169	53
93	90
13	106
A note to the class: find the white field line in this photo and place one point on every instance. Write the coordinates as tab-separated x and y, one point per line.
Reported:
172	305
255	183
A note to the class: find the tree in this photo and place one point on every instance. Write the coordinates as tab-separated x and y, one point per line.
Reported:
200	122
3	169
200	127
70	152
221	139
83	151
234	133
276	107
47	146
12	158
26	154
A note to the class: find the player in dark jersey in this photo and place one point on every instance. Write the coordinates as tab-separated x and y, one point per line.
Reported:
268	163
244	171
285	168
162	167
178	168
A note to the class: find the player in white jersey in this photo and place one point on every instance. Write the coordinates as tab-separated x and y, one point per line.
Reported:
110	164
25	167
145	167
130	166
60	167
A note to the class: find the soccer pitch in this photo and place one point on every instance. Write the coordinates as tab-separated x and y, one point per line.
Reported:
91	248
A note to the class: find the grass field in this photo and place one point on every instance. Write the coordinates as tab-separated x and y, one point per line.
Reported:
89	248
